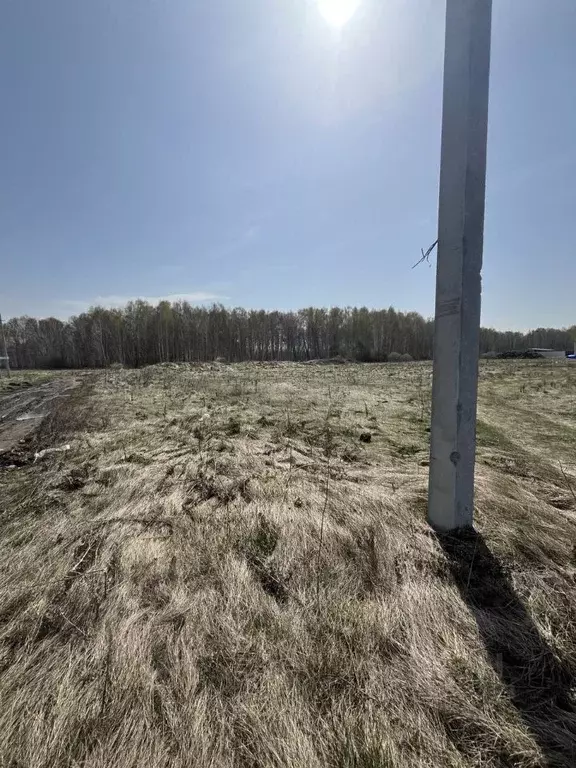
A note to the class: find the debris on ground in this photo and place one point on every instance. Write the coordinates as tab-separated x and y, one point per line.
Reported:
47	451
29	416
338	360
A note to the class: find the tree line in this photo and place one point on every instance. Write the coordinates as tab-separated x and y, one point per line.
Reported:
142	334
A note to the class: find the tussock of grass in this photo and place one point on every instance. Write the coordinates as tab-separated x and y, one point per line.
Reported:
221	573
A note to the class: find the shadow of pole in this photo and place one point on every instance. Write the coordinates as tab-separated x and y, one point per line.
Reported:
538	682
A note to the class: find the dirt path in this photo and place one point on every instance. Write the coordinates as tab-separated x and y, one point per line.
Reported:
21	411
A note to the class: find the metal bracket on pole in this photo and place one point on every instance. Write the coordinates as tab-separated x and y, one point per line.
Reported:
458	279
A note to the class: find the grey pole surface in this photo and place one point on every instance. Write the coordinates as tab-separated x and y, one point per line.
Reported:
5	357
458	278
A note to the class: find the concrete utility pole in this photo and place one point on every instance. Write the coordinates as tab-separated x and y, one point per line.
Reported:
458	279
4	358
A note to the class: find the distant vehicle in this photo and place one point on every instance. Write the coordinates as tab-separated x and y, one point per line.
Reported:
571	357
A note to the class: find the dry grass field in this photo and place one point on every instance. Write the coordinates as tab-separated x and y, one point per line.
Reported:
231	567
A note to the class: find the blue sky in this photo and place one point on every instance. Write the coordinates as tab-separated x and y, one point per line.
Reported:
247	151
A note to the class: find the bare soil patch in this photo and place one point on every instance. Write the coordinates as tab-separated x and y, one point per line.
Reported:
23	407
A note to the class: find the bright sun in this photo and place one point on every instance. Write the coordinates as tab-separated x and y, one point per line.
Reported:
338	12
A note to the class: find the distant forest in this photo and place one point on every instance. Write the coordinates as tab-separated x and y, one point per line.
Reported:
141	334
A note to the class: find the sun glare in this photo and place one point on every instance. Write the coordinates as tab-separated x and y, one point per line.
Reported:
338	12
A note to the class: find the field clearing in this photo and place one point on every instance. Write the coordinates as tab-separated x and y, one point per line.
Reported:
25	399
19	380
231	567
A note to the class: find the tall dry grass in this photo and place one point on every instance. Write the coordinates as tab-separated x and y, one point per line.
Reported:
165	599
